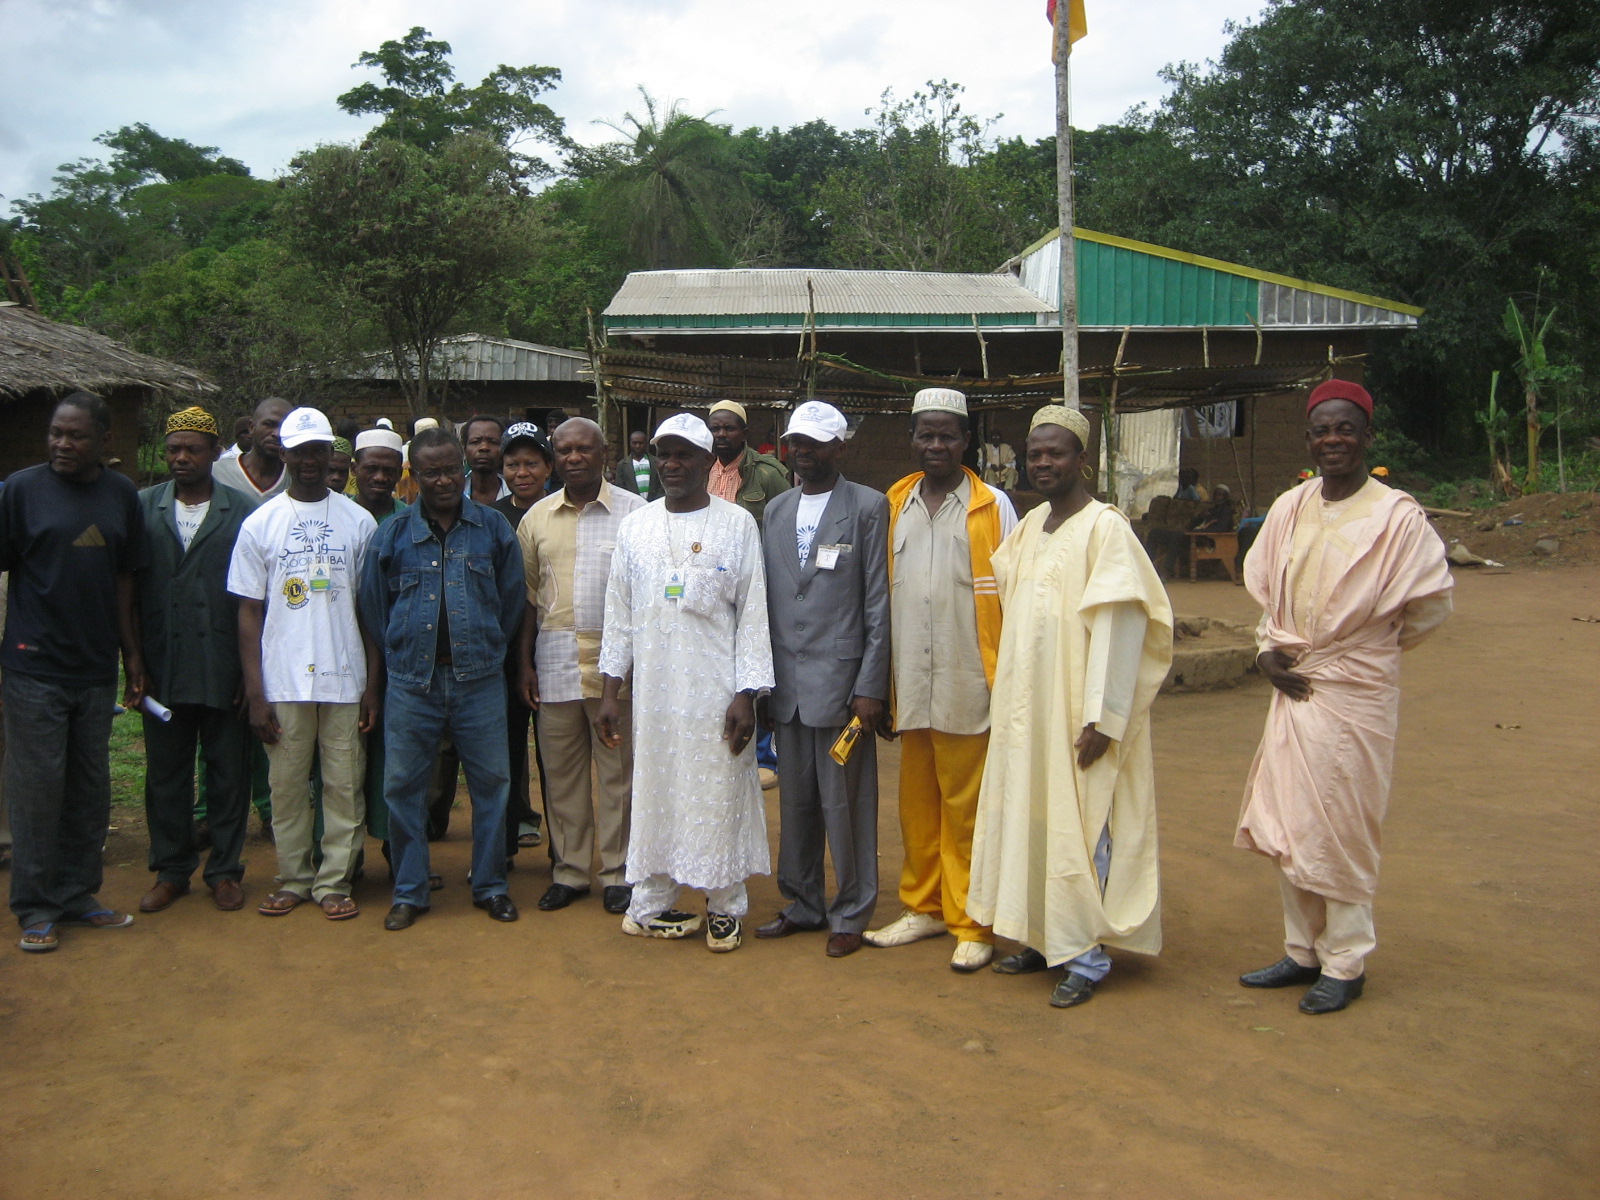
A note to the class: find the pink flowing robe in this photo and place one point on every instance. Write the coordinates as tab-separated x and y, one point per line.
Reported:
1343	602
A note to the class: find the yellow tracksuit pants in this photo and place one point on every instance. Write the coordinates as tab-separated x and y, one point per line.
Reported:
939	778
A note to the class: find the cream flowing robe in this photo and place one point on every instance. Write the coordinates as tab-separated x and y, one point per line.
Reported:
1039	816
697	814
1345	588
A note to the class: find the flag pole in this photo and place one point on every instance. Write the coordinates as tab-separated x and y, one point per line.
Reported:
1064	214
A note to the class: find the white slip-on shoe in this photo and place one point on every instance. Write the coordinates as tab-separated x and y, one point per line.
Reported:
971	956
908	927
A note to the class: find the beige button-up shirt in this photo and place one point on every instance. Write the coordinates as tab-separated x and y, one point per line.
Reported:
938	670
566	555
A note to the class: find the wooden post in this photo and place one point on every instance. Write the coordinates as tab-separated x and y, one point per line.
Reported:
1064	215
1108	421
983	346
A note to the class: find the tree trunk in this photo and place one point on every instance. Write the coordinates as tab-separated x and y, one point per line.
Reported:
1532	484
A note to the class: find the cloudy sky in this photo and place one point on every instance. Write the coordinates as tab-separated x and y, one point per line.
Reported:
259	79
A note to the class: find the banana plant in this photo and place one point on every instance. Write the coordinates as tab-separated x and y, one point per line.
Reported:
1496	422
1533	366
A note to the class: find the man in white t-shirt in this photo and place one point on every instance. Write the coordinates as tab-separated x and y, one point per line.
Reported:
311	671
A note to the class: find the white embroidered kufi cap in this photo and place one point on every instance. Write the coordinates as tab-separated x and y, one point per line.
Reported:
939	400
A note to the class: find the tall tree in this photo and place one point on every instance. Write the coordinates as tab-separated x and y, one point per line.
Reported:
666	189
418	237
422	106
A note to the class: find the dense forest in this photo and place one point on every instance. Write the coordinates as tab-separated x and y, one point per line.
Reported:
1439	152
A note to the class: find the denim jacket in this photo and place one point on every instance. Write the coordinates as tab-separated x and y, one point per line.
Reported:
480	571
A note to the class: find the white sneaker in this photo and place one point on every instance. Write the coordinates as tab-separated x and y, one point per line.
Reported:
907	928
971	956
669	924
723	933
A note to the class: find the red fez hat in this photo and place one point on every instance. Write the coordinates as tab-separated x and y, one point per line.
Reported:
1341	389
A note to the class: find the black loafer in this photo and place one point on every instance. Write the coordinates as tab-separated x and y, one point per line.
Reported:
559	895
617	897
1283	973
1024	962
402	916
1073	990
498	907
1330	995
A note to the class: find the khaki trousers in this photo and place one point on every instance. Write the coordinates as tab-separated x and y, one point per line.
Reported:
568	744
333	730
940	774
1326	933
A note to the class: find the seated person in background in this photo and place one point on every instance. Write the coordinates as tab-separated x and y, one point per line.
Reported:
1188	485
1170	546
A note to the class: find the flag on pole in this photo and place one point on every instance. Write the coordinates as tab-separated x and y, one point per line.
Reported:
1077	26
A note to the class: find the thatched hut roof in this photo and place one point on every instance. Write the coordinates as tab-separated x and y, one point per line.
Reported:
36	352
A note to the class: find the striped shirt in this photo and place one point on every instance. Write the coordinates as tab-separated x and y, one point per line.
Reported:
566	555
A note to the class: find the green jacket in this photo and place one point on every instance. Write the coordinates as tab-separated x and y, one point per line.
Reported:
188	620
761	478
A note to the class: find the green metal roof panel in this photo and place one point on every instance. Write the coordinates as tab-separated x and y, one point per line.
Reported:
1117	286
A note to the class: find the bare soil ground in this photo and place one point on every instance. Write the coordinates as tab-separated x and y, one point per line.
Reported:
205	1054
1572	518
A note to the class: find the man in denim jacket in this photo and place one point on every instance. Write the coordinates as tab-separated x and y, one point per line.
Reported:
443	589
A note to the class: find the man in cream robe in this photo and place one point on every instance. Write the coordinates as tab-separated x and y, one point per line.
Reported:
1349	575
1064	856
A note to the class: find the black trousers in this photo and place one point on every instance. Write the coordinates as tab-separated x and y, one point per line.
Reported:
224	742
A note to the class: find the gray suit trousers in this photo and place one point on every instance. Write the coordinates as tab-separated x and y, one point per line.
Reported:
819	799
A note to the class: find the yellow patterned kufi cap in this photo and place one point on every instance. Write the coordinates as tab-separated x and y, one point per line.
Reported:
193	419
1068	418
732	406
342	446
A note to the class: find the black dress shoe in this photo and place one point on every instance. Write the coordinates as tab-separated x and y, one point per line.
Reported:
1330	995
1073	990
1283	973
401	916
498	907
1024	962
782	926
617	897
559	895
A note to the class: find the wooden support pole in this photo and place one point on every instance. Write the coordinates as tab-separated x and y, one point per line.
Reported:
1064	214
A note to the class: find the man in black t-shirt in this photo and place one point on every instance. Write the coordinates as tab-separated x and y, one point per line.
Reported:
72	535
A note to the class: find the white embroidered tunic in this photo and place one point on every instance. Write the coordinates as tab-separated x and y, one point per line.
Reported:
697	810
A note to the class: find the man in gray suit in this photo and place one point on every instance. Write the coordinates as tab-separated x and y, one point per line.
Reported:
826	549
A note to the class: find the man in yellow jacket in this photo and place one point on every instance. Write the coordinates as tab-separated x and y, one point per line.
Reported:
944	523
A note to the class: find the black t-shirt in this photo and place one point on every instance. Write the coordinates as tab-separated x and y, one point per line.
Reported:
507	508
65	543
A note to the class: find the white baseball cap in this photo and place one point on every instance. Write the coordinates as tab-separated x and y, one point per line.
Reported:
686	426
939	400
818	421
304	425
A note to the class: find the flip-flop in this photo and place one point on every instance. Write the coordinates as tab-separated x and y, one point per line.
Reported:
268	908
355	911
101	918
47	938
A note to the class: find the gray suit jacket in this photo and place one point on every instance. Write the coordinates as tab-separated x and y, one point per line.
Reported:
830	629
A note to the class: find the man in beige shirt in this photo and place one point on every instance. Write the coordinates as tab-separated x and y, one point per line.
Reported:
567	541
944	523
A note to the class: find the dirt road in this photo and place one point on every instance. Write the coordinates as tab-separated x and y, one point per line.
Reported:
205	1055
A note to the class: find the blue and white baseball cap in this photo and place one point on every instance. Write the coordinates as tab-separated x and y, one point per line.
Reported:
686	426
304	425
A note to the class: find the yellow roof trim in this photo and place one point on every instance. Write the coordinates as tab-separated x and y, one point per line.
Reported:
1217	264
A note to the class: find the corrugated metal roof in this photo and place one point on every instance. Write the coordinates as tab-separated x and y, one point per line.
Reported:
1124	282
782	293
478	358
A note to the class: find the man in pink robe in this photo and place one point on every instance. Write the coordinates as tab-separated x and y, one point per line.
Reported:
1349	575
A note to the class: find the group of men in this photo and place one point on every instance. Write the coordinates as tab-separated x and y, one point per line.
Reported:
651	640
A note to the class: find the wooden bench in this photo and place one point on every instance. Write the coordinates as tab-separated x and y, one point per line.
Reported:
1223	548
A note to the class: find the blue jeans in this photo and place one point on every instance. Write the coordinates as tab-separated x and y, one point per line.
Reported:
415	722
58	783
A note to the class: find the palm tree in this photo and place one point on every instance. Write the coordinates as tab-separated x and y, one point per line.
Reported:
665	187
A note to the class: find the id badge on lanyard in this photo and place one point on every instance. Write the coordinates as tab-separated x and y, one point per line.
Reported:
321	581
673	589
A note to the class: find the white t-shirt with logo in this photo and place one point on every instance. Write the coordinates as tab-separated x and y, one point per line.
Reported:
807	515
304	562
189	518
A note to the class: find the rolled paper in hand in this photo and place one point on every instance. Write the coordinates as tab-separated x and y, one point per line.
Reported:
156	709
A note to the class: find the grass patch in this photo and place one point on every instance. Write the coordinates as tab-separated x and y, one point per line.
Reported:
127	759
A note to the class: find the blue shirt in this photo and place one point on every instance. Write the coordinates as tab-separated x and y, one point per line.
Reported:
474	573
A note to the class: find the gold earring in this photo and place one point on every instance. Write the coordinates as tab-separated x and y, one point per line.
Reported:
1088	474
